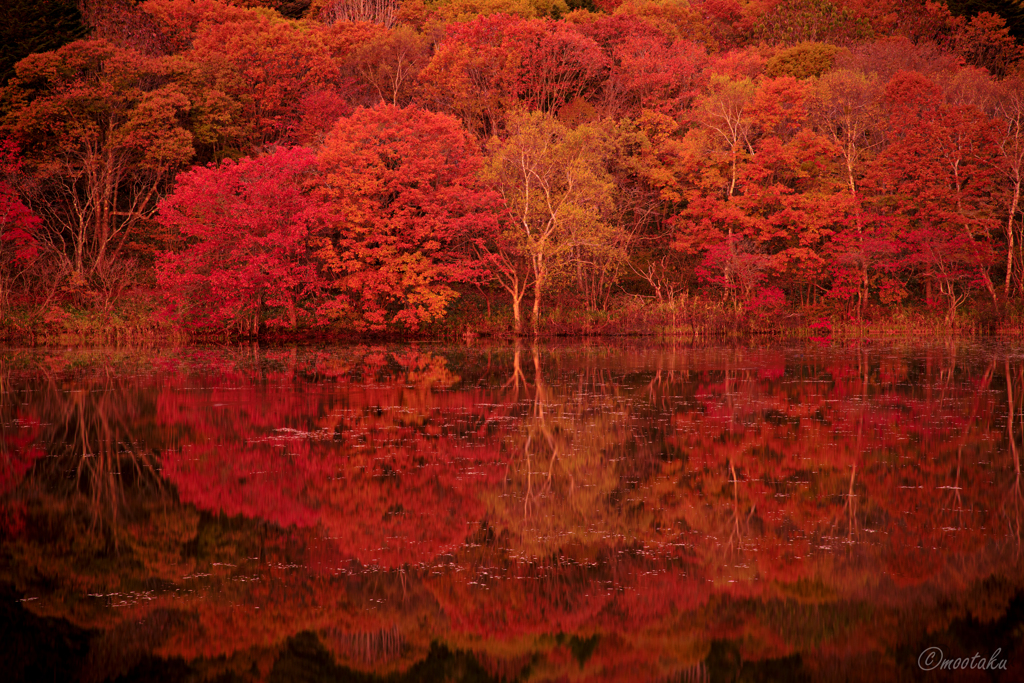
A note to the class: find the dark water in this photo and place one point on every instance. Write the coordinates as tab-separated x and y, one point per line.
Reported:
577	512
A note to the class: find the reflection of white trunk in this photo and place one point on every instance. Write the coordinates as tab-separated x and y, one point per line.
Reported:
517	371
1013	511
851	505
540	395
736	532
540	436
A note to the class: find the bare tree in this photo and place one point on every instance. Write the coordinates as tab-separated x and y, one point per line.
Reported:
373	11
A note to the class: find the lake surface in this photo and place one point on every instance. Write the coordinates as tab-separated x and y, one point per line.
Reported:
584	512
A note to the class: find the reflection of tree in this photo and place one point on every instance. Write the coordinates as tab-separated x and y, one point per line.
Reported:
542	437
849	511
750	461
1014	499
369	648
18	451
372	498
94	427
577	430
99	520
738	521
92	424
375	465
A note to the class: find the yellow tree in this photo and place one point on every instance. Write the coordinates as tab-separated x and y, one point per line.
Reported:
556	190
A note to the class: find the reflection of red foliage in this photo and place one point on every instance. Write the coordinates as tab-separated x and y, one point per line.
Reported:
18	454
520	601
656	592
371	467
610	590
409	508
748	500
20	450
253	482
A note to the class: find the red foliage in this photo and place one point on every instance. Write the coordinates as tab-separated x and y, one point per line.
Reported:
406	214
246	229
938	172
493	65
259	80
17	222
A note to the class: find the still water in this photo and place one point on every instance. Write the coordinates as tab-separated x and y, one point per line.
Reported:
592	512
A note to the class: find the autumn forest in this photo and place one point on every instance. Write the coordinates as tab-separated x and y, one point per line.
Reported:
365	167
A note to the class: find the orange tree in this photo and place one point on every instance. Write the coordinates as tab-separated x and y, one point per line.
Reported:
405	216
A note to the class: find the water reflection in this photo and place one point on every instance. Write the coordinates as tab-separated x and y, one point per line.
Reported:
513	513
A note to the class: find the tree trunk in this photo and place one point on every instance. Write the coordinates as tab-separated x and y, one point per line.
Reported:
538	284
292	317
517	313
536	307
862	263
1009	239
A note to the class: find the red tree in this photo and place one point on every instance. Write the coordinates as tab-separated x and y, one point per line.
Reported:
937	177
649	70
247	227
17	225
258	80
406	214
495	64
